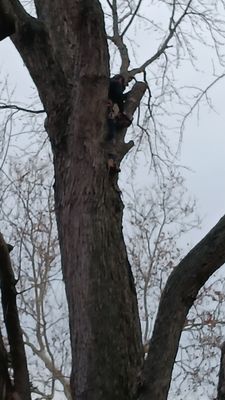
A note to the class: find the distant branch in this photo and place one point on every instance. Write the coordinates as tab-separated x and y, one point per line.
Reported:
4	106
165	45
50	365
110	5
132	18
203	92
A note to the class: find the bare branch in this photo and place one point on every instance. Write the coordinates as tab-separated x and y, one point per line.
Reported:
178	296
165	45
50	365
203	92
118	41
4	106
110	5
132	18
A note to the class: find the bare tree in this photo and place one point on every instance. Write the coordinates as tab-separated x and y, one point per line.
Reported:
65	50
156	218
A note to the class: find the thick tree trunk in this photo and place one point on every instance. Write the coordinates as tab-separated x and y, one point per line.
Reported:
67	56
101	295
105	330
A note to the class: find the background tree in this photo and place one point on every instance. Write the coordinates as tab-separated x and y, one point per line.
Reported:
41	299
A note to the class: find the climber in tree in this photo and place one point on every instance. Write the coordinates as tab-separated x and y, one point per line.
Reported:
117	119
116	89
116	96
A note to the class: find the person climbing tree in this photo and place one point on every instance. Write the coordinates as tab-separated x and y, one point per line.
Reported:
117	118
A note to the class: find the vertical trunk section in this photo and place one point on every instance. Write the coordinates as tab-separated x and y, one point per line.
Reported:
102	300
104	322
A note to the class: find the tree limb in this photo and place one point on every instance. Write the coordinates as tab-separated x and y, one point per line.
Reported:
117	39
12	323
132	18
134	97
178	296
31	39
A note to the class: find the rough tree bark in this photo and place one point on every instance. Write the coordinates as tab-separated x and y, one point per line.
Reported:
65	51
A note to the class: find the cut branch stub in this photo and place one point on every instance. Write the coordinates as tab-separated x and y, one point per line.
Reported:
134	97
